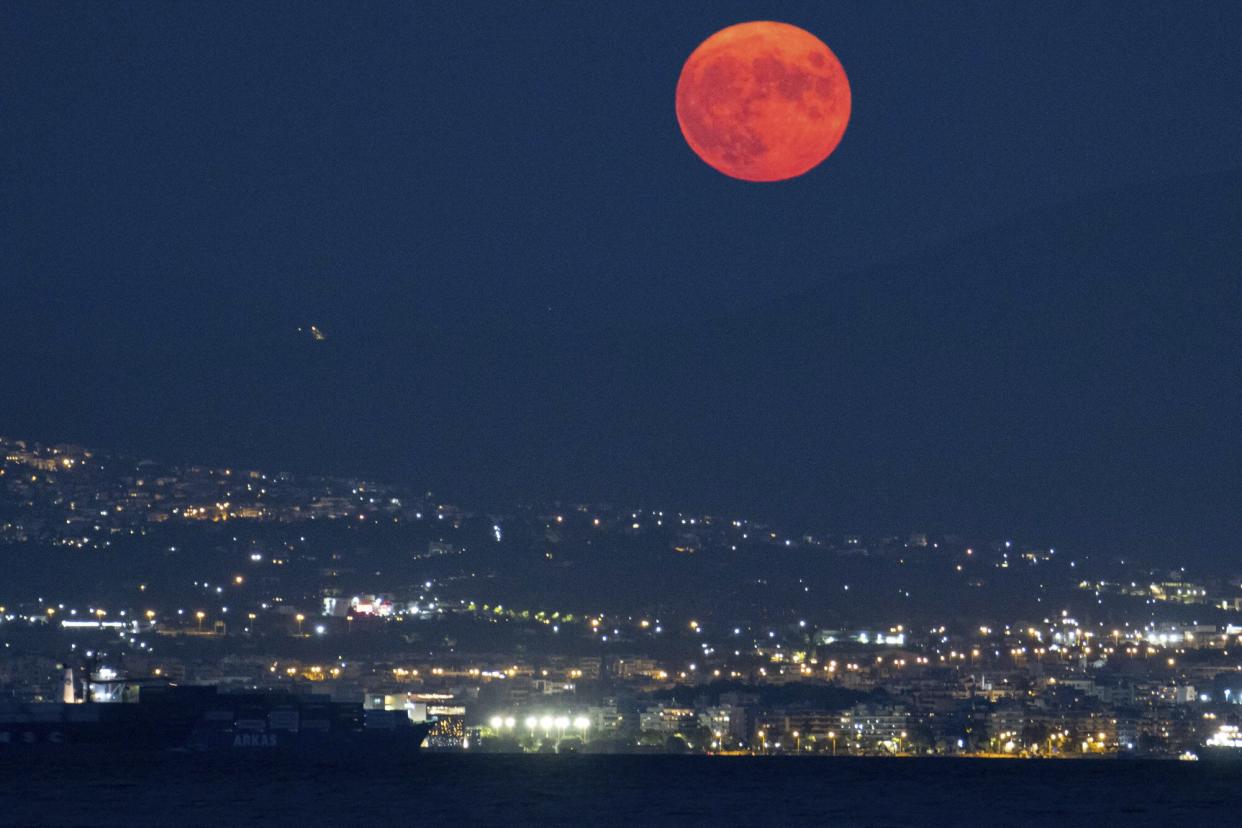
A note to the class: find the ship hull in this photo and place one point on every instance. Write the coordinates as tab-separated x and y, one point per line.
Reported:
202	721
1220	755
389	745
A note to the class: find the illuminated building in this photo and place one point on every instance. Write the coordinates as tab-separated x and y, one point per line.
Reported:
666	719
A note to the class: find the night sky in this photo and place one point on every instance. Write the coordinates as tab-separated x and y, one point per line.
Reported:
1008	302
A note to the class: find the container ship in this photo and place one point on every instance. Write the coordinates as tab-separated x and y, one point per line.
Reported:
1225	746
150	716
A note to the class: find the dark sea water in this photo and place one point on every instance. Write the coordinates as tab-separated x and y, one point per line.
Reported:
612	790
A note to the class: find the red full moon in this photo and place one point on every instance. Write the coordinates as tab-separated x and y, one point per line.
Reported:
763	101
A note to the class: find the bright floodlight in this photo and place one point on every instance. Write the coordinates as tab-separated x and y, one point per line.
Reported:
496	722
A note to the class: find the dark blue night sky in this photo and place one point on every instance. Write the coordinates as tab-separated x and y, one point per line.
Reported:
1009	301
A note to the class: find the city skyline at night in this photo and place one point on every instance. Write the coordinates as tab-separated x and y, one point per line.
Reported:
730	413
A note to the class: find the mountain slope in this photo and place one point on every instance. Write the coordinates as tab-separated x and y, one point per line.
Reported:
1074	372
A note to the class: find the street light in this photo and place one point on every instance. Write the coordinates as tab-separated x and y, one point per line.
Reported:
300	618
200	615
832	734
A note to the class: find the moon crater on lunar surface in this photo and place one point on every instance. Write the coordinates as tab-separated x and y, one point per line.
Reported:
763	101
